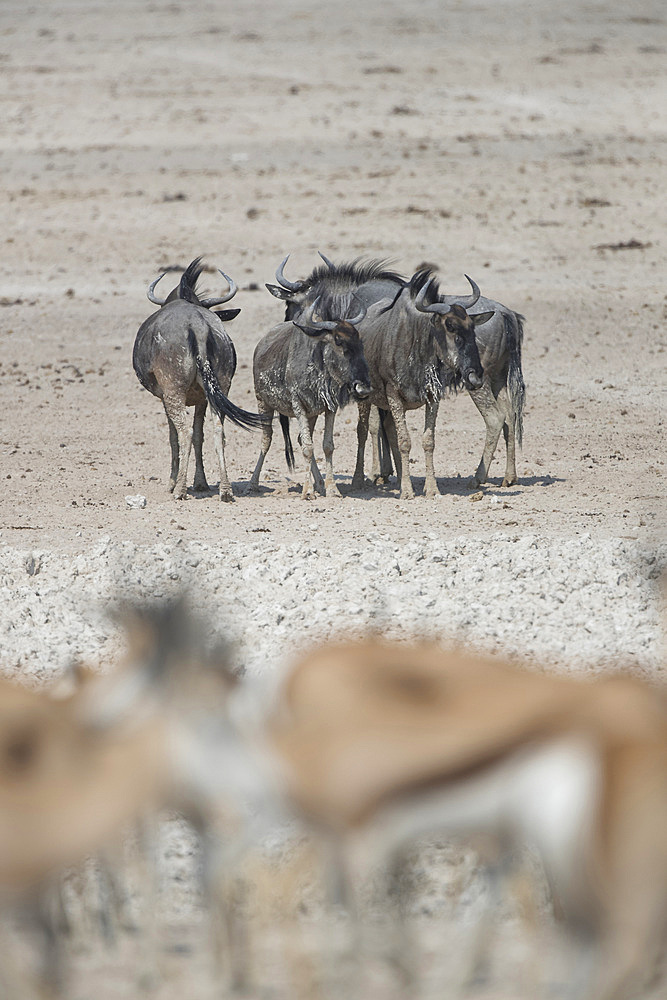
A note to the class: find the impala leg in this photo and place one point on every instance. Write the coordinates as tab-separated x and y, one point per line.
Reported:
430	418
200	483
403	436
358	481
174	407
267	436
330	487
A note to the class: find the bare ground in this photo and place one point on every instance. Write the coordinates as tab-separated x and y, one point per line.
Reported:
524	143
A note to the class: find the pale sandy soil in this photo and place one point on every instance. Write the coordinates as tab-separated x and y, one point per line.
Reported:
524	143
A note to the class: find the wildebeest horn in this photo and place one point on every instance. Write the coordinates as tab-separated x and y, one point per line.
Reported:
330	264
291	286
209	303
447	301
151	287
358	318
321	325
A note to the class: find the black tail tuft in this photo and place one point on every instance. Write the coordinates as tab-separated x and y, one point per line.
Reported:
218	402
289	450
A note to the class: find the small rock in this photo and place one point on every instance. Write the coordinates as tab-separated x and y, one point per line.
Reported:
477	496
136	502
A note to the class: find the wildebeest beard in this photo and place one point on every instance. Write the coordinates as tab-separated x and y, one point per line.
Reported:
452	382
334	396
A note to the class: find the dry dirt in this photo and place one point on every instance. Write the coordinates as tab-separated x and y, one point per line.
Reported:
524	143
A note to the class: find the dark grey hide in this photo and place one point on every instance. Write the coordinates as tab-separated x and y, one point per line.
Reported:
502	395
413	356
183	355
302	371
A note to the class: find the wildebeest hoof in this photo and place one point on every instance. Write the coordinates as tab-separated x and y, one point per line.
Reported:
181	496
202	487
509	481
227	497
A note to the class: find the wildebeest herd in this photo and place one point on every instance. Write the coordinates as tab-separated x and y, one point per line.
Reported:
368	745
352	332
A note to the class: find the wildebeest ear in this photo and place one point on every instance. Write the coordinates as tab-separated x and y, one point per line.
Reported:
226	315
280	293
480	318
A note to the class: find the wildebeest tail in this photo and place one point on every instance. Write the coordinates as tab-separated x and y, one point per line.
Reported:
218	402
515	384
289	450
383	445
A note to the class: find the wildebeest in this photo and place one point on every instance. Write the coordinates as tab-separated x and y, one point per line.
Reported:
417	344
304	369
500	399
183	355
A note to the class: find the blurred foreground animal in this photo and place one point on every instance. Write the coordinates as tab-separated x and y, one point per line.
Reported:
303	368
153	734
382	743
183	355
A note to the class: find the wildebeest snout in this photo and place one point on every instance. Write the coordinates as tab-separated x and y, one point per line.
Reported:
362	390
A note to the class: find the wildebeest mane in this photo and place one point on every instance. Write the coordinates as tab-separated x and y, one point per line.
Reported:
419	279
189	279
335	285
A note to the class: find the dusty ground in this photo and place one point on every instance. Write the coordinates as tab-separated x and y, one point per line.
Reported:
523	143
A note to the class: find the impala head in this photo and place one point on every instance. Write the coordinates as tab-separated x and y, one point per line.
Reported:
454	328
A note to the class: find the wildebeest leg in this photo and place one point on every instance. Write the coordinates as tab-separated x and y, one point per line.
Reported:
494	419
403	435
430	417
392	437
267	435
173	442
315	472
200	483
508	432
226	493
306	442
174	407
358	481
330	487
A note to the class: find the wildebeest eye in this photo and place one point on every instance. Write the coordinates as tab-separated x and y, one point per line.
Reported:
450	325
338	340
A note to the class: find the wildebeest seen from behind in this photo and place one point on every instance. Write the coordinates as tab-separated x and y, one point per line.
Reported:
304	369
183	355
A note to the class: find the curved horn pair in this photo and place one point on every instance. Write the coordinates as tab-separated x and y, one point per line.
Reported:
205	303
447	301
209	303
327	324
